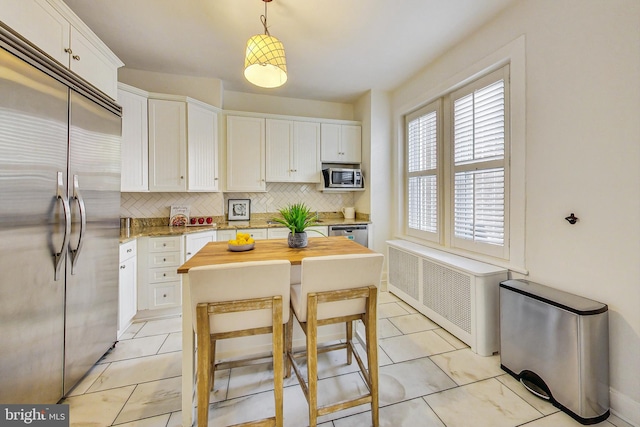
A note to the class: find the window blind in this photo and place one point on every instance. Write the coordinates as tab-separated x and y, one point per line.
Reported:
422	168
479	173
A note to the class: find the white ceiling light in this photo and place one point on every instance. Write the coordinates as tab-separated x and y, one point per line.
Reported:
265	64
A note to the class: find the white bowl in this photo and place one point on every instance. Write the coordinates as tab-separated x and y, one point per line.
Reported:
241	248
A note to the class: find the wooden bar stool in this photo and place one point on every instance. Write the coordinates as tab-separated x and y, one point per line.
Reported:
237	300
336	289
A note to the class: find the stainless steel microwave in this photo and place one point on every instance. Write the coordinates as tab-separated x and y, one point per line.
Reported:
343	178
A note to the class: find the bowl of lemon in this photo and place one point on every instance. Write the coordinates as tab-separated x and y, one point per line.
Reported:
243	242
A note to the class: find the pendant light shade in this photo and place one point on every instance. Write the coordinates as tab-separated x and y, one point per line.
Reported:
265	64
264	61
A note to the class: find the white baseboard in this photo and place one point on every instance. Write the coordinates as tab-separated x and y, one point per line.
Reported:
624	407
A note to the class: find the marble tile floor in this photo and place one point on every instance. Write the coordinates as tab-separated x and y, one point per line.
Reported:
428	378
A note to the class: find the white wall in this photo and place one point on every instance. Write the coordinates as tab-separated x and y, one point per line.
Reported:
373	110
582	156
203	89
240	101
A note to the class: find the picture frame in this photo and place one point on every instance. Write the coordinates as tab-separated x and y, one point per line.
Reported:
239	209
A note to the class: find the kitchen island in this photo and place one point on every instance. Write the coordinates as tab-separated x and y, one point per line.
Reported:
265	250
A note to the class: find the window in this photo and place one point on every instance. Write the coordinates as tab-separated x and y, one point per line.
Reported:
467	206
422	170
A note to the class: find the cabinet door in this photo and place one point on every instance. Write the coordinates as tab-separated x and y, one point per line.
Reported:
341	143
318	231
277	233
225	235
330	142
167	145
306	151
127	294
202	148
127	287
245	154
87	61
135	142
351	143
279	148
195	242
41	24
255	233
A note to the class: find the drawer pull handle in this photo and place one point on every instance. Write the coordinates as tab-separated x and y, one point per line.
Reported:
164	260
164	274
164	296
164	244
122	267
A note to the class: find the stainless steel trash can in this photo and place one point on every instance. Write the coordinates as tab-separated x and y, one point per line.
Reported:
557	345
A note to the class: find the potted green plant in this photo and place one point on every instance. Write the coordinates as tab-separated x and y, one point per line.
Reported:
297	217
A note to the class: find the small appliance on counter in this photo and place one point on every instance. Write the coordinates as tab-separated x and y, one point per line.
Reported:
349	212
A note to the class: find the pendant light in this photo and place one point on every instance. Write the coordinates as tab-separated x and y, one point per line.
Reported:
265	64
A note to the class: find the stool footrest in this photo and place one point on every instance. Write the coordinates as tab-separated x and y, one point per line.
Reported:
267	422
345	404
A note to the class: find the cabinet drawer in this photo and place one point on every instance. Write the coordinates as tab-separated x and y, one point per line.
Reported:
164	244
168	259
127	250
278	233
165	295
157	275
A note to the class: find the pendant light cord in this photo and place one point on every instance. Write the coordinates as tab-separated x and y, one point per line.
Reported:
263	19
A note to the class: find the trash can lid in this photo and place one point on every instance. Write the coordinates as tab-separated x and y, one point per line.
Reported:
565	300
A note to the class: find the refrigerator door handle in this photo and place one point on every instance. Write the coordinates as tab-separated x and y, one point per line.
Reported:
75	253
62	196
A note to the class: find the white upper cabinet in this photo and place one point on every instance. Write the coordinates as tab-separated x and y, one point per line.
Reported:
293	151
279	148
183	144
135	142
341	143
167	145
54	28
202	148
245	154
306	151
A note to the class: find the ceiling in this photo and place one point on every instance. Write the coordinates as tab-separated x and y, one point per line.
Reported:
336	49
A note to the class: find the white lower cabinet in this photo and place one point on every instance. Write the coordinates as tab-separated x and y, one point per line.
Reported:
196	241
255	233
127	286
159	284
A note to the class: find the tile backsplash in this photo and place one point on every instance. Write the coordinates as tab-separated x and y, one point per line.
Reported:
155	205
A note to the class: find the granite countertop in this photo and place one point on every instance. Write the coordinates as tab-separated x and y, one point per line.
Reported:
156	227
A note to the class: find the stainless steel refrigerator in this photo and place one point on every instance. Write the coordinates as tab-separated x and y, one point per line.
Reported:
59	224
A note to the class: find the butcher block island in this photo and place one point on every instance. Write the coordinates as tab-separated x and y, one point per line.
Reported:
265	250
275	249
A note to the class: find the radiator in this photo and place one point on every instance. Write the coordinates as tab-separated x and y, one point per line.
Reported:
458	293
